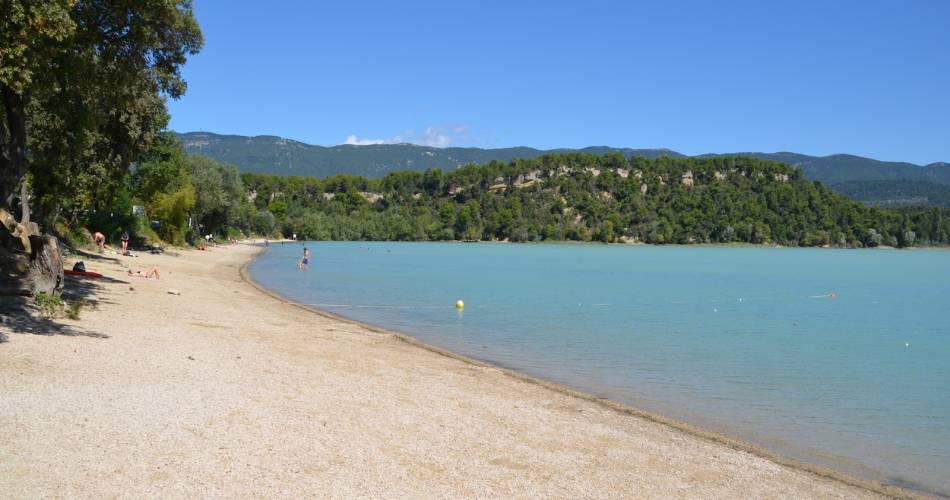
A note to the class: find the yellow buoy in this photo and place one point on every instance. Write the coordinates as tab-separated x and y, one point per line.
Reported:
459	304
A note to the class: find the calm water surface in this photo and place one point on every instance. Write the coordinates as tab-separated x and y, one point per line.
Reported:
744	341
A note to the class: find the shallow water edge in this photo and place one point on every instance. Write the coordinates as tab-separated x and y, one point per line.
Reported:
895	487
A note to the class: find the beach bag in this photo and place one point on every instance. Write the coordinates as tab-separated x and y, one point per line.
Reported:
80	267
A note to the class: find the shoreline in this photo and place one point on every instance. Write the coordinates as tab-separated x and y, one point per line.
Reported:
943	248
694	430
225	389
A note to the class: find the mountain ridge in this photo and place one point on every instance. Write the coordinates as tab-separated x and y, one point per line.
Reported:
277	155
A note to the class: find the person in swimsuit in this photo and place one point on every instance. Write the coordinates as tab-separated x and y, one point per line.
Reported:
125	241
100	240
305	260
151	273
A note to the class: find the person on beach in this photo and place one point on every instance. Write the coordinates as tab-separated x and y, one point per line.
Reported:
125	241
305	260
100	240
151	273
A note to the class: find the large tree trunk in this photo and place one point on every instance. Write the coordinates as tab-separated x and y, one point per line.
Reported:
46	266
24	203
13	162
8	234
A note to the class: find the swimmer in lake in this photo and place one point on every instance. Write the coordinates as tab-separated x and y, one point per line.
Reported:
305	260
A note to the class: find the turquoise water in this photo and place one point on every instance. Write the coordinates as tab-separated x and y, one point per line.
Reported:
744	341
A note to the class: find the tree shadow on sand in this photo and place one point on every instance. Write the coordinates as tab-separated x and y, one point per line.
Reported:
91	256
21	315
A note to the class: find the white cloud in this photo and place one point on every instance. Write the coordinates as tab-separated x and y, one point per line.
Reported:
356	141
435	136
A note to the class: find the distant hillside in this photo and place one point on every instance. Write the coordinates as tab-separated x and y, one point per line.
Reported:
583	197
275	155
897	193
835	169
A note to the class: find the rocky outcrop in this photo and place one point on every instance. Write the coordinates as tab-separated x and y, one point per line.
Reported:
498	184
371	197
528	179
687	178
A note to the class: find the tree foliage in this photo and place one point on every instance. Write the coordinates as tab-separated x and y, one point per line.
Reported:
587	198
107	67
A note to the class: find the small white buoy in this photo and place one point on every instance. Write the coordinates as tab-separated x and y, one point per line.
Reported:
906	344
459	304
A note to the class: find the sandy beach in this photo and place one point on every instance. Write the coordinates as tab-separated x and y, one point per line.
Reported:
226	391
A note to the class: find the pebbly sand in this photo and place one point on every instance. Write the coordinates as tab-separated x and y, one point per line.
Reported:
227	391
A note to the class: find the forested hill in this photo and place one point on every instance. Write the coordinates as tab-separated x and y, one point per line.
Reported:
573	196
274	155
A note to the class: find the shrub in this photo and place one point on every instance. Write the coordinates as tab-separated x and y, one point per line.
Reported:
72	312
264	223
172	210
50	306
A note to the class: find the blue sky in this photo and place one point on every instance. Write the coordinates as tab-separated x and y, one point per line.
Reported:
862	77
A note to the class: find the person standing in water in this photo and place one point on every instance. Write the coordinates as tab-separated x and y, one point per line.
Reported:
305	260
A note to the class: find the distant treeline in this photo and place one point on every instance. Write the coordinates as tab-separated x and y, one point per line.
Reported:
586	198
896	193
570	196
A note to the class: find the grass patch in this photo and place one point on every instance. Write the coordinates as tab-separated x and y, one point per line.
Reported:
50	306
74	309
54	307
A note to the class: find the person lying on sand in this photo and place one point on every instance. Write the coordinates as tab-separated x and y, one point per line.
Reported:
151	273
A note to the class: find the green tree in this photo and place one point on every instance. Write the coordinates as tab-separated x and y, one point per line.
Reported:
264	223
32	34
219	193
107	67
162	169
172	210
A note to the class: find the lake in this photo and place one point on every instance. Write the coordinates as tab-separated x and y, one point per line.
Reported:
837	357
